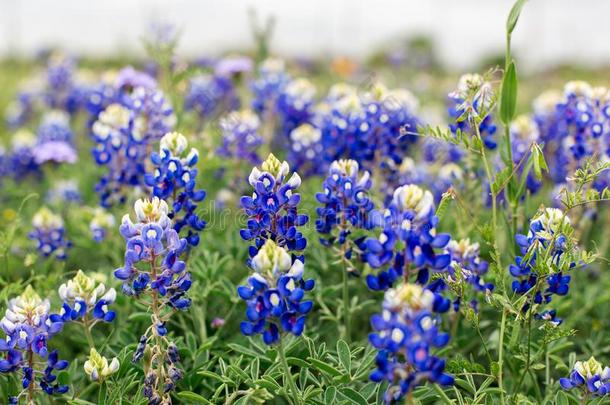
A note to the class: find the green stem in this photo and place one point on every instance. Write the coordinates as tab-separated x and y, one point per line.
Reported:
346	304
88	334
500	356
288	374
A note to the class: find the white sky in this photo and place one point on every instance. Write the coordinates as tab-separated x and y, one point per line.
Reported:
464	30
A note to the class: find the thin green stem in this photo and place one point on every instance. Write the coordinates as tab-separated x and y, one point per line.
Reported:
88	334
346	304
288	374
500	356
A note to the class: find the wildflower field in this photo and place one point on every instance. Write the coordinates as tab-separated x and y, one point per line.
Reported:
252	230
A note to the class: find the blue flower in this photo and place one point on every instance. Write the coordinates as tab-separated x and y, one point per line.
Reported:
272	208
124	132
274	294
28	326
173	179
590	377
240	136
405	334
546	240
346	204
49	233
410	220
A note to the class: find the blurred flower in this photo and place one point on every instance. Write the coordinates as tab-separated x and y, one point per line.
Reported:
49	232
101	222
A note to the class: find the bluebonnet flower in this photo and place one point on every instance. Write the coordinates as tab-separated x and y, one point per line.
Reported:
590	377
101	222
576	129
21	157
267	87
98	368
54	140
154	271
209	95
346	203
272	208
64	191
124	133
85	300
544	259
28	327
295	105
306	149
274	294
50	234
240	136
174	180
470	103
409	243
152	237
405	334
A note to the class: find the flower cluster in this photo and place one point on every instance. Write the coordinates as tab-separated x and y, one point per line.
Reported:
101	222
408	241
54	140
209	95
28	326
524	132
83	297
346	203
268	85
50	234
240	136
544	260
153	270
64	191
173	180
98	368
405	334
306	150
275	294
272	208
590	377
574	127
295	105
124	132
20	159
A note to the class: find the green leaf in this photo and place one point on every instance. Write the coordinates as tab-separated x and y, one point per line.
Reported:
508	97
561	399
324	367
539	161
191	396
345	357
353	396
513	16
329	395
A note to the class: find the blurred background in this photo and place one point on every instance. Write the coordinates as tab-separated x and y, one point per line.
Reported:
462	33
